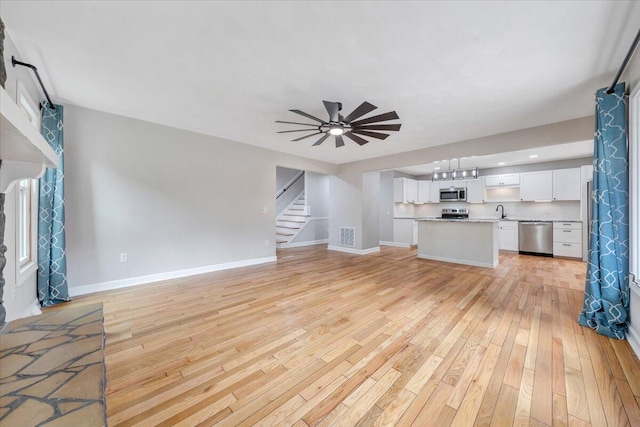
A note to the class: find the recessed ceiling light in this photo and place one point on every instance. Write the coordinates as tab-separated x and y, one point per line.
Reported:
501	163
437	168
533	156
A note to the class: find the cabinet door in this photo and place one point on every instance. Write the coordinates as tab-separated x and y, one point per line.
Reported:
566	184
434	193
508	238
398	190
424	190
492	181
536	186
511	179
411	191
448	184
475	191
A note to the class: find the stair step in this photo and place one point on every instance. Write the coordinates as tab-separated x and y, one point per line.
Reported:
291	220
288	227
281	241
294	214
279	233
296	209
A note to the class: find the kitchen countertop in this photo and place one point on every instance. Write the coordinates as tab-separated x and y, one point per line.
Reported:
484	219
458	220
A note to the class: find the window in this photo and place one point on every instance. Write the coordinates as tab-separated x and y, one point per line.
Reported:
26	221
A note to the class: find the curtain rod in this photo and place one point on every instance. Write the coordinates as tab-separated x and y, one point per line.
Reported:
15	62
625	62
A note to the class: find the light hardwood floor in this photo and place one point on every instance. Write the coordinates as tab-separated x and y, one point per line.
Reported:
326	338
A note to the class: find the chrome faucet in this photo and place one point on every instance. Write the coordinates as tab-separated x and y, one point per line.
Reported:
503	214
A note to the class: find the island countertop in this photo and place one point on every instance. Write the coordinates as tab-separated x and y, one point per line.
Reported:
458	220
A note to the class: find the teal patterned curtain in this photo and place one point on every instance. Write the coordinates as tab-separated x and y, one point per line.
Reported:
52	259
606	295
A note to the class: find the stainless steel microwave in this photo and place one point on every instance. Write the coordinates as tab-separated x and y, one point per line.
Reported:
453	194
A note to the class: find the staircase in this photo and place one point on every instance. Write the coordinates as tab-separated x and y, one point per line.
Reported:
291	221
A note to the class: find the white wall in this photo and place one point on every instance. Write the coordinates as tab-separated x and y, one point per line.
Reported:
283	176
370	210
19	292
345	209
317	194
386	206
169	198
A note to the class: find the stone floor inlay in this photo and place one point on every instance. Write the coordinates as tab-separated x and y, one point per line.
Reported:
52	369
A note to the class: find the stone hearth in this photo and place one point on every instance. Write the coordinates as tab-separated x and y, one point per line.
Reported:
52	370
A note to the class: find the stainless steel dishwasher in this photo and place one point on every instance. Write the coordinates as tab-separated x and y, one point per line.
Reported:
535	238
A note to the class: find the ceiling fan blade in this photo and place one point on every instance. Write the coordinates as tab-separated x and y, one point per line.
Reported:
371	134
392	115
358	140
307	136
297	123
333	108
339	141
309	116
321	140
297	130
395	127
363	109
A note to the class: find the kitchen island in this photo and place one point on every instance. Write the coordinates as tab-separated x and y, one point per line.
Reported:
462	241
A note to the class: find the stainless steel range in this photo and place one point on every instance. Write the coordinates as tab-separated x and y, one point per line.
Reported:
455	213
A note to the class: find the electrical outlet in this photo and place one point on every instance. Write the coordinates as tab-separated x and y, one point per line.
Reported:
265	210
123	257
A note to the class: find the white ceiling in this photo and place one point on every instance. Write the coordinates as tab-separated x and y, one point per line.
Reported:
571	150
452	70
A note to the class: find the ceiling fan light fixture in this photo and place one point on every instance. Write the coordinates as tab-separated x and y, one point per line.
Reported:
336	130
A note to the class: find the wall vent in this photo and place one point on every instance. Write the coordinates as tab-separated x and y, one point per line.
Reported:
348	237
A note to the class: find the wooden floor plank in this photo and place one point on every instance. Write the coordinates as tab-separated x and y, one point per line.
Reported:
328	338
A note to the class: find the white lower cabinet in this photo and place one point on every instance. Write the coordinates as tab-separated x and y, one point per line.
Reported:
508	235
403	231
567	239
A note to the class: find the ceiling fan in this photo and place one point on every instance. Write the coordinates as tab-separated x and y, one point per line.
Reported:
349	126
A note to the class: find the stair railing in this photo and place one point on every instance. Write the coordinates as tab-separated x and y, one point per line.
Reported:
289	184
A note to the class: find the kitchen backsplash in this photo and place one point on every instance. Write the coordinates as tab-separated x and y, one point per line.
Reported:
533	210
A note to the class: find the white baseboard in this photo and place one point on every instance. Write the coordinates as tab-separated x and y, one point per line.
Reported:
142	280
354	251
458	261
33	309
299	244
396	244
634	341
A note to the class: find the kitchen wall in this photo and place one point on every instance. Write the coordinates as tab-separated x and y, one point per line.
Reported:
171	199
20	297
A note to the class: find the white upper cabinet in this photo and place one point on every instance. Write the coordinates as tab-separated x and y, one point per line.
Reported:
428	192
449	184
405	190
506	180
536	186
566	184
475	191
